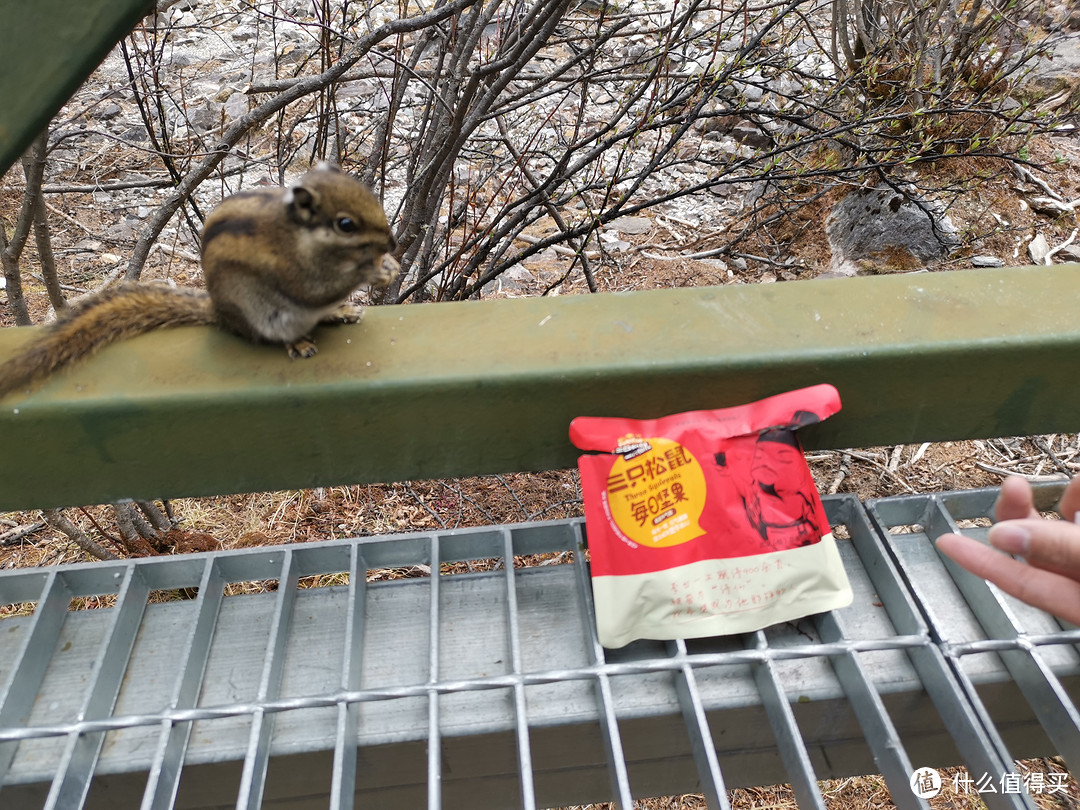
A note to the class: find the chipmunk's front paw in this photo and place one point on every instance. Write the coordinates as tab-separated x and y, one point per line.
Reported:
302	348
346	313
386	272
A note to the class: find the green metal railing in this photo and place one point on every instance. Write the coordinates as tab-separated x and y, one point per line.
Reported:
47	47
441	390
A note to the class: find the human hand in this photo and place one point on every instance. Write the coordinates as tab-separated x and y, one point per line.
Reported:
1050	577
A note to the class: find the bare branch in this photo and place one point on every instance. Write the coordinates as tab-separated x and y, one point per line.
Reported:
11	250
239	128
59	521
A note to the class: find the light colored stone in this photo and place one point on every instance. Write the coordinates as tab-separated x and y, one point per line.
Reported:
1038	249
631	225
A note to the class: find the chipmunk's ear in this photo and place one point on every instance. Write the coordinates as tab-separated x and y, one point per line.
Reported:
301	202
302	199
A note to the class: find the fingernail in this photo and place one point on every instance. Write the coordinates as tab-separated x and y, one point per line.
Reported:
1010	538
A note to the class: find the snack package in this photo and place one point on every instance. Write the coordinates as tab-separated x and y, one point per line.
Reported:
707	523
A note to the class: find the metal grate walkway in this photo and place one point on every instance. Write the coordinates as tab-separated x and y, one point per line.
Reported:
489	689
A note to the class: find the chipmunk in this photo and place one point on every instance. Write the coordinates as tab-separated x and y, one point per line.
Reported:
276	262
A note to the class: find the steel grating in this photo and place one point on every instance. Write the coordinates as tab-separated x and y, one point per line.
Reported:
490	689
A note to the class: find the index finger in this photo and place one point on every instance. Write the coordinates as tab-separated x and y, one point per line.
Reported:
1051	592
1053	545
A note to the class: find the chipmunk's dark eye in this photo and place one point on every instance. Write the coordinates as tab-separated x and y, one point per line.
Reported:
346	224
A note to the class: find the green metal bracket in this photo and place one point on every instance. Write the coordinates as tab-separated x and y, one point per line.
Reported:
439	390
47	48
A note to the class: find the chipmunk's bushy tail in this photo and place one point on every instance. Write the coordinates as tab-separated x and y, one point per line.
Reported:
114	314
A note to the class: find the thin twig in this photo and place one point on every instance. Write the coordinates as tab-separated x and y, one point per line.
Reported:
1006	473
841	473
428	509
1042	444
13	536
113	185
552	506
883	468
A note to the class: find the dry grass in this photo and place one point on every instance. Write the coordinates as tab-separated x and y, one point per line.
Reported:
870	793
303	516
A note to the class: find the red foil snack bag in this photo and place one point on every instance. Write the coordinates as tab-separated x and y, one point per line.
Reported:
707	523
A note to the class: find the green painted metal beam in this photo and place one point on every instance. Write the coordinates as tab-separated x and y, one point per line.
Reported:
47	48
440	390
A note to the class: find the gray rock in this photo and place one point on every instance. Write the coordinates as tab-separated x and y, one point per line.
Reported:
516	278
135	134
546	255
986	261
123	230
611	241
879	230
236	106
631	224
108	111
751	88
749	135
208	117
179	59
1058	71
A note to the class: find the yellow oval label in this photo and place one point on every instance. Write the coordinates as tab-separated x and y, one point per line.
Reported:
656	498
